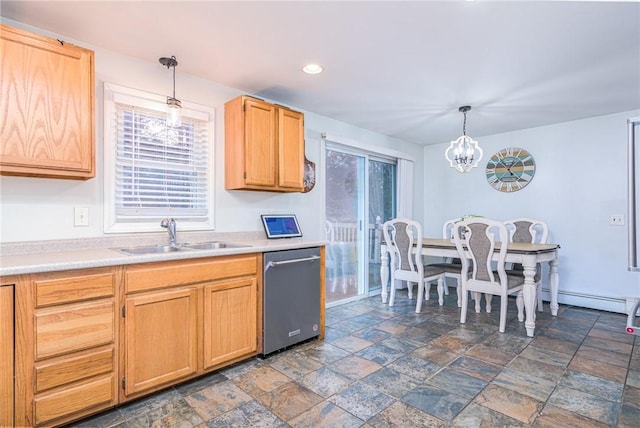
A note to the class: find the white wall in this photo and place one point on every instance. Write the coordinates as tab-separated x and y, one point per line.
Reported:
34	209
580	180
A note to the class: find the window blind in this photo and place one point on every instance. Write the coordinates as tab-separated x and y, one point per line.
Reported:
160	170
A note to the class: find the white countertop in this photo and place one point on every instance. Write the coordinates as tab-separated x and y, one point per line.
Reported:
48	256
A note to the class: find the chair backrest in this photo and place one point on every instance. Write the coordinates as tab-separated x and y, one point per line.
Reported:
447	228
401	236
527	230
480	237
447	233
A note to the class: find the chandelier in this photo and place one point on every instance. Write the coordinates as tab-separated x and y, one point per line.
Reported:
464	153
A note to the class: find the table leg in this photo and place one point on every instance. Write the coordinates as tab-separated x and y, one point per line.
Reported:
529	295
384	271
553	283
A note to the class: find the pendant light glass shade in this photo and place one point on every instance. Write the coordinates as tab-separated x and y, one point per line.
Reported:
174	105
173	112
464	153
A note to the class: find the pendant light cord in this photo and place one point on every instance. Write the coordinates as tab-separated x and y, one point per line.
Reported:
174	80
464	124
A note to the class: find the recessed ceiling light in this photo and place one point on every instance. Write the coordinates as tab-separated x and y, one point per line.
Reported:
312	69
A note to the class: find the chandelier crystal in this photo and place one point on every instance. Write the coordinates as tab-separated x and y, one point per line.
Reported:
464	153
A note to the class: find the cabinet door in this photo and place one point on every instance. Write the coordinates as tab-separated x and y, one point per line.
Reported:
160	338
260	141
290	149
6	356
46	100
230	320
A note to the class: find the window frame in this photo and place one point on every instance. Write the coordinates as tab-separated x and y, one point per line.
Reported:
116	94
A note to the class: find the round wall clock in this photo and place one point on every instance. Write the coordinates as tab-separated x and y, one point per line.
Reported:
510	169
309	179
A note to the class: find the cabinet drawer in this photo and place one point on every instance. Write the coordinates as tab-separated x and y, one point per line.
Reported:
74	328
159	275
51	374
74	288
94	395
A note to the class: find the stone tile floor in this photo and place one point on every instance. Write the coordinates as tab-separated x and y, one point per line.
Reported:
390	367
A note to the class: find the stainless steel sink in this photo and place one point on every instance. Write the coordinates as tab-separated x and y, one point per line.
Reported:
152	249
160	249
212	245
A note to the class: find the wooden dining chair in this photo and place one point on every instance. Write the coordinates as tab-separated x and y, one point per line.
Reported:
478	246
404	242
533	231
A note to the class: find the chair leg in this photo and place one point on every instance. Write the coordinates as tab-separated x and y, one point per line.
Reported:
520	306
477	297
446	288
420	298
503	313
488	298
539	293
459	293
463	308
392	292
441	289
410	289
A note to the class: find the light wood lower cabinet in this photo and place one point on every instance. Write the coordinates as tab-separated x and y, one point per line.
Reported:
89	339
67	343
230	324
7	356
161	338
184	318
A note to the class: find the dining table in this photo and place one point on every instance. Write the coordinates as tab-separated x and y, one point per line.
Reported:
527	254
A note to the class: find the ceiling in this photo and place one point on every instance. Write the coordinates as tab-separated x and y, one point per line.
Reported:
398	68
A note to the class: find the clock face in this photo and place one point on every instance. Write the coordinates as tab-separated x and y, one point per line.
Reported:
510	169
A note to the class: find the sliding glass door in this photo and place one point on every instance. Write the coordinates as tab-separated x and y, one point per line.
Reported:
344	215
382	207
360	196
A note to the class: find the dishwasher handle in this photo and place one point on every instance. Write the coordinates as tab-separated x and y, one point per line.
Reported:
286	262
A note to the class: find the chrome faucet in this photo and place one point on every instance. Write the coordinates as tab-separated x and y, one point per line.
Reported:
170	225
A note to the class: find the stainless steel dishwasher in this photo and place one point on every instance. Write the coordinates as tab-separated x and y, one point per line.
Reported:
291	298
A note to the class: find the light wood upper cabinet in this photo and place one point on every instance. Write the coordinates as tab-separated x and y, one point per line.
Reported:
290	149
47	104
264	146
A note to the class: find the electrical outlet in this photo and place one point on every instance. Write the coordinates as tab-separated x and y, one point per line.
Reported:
616	219
81	216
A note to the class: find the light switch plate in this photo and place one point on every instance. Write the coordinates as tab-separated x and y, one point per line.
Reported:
81	216
616	219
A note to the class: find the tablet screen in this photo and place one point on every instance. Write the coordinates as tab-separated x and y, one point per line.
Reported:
281	225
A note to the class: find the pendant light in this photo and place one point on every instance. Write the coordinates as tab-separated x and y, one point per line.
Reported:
464	153
173	104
